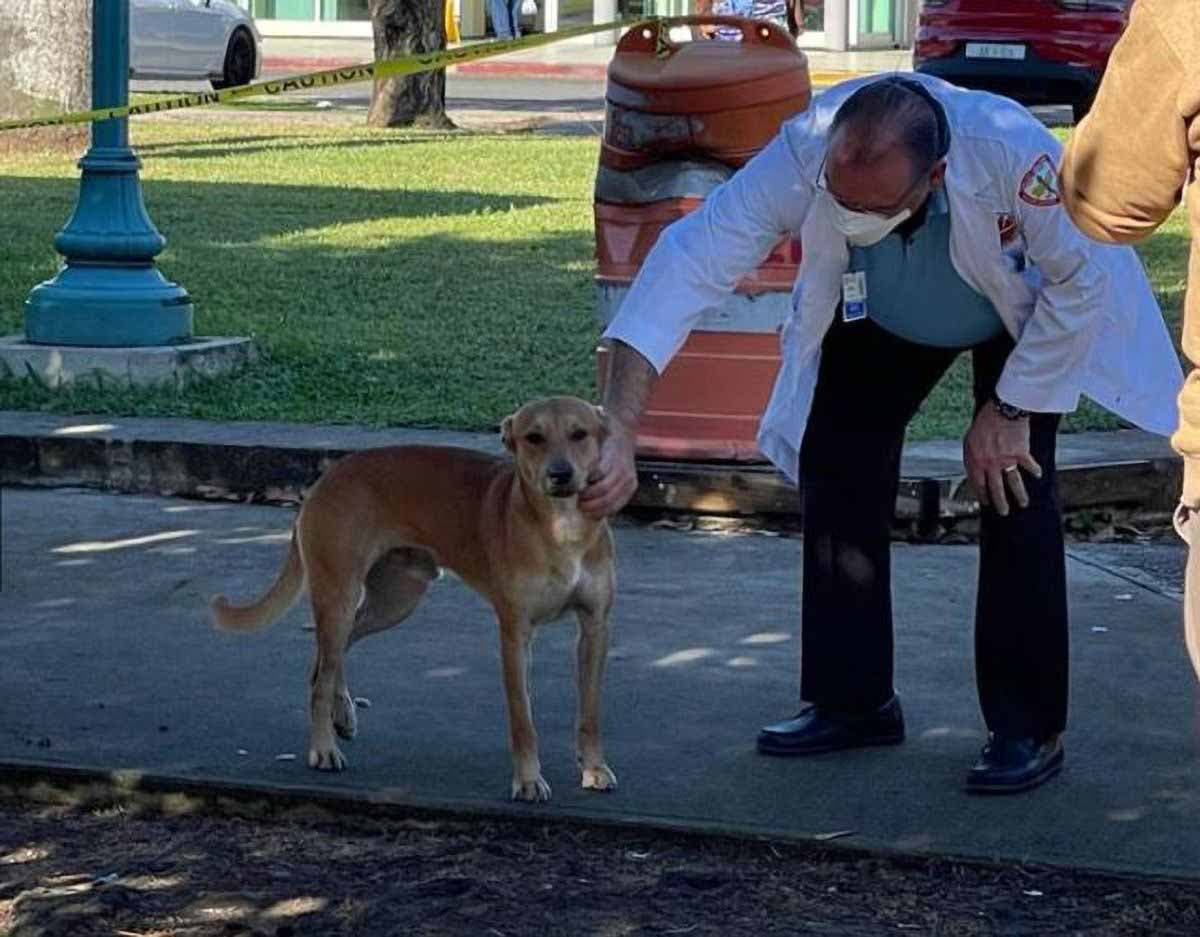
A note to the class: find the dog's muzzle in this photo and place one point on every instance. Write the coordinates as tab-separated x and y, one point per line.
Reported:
560	480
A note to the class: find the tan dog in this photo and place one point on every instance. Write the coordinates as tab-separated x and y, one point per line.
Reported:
373	532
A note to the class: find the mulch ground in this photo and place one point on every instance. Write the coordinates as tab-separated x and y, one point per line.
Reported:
179	869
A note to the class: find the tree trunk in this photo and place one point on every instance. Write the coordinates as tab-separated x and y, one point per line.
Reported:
45	68
409	27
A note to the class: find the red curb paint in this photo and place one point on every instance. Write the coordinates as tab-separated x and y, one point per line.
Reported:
297	65
535	70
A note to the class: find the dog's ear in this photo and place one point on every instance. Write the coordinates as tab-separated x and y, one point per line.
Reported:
605	421
506	434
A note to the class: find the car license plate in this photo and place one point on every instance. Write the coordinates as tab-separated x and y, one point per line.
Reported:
994	50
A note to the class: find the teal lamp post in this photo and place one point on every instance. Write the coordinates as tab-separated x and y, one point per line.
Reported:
108	292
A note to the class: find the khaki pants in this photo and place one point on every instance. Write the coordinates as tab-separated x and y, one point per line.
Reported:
1187	524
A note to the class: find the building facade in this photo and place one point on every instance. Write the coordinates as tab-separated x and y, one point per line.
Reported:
829	24
839	25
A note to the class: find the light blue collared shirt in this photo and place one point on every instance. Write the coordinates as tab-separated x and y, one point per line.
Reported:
913	290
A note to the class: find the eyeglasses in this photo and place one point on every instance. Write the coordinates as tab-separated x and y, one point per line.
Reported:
823	186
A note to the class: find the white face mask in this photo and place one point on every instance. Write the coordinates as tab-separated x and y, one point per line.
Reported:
863	229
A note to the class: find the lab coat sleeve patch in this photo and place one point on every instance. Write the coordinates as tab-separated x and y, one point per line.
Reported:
1039	187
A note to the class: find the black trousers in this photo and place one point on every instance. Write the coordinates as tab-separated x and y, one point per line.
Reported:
869	387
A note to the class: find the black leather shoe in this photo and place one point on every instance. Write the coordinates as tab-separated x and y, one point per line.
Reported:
817	730
1009	766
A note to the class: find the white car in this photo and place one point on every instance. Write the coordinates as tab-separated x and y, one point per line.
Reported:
213	40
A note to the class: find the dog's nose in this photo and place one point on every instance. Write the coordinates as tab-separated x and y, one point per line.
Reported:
560	473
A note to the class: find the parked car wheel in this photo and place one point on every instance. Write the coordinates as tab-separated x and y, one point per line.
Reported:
239	62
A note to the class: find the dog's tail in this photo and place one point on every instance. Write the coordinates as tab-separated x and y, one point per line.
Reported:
277	599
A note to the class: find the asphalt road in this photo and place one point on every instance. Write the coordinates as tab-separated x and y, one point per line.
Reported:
474	91
495	93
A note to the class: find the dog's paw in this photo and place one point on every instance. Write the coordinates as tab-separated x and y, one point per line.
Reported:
345	716
599	779
533	792
326	759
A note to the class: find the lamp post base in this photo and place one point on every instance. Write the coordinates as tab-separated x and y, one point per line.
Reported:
108	305
176	366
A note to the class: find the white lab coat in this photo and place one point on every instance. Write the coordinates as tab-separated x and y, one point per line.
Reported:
1083	315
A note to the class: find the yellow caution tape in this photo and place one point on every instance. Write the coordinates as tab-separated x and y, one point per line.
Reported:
368	71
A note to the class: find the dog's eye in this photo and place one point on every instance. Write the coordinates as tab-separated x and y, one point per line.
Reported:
535	439
579	435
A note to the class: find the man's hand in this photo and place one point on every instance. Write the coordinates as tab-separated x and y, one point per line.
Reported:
614	480
994	452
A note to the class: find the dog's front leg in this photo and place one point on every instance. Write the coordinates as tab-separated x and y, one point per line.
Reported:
591	651
527	783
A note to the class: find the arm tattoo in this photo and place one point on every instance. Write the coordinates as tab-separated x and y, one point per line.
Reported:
631	378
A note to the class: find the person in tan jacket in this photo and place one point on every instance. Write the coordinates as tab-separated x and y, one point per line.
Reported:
1124	170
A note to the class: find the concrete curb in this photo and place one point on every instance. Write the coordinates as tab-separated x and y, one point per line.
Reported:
275	463
820	79
63	783
74	785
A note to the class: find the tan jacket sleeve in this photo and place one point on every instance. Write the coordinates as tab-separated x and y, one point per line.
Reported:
1126	163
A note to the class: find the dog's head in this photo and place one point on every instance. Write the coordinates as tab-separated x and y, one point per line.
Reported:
556	443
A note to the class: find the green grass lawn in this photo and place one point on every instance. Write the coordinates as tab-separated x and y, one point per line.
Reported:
390	278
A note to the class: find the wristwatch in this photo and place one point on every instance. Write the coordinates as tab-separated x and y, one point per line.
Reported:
1007	410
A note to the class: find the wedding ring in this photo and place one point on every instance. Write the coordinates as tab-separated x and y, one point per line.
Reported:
1010	468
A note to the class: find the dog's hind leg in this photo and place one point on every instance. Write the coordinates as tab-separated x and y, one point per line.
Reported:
394	587
333	613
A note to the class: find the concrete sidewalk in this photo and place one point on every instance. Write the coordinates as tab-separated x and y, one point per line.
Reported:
583	58
107	662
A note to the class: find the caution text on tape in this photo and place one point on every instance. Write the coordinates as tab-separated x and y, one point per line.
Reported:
368	71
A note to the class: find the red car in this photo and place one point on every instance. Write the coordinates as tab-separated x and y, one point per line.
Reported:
1035	51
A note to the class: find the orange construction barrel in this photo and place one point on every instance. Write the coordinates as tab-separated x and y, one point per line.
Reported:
681	118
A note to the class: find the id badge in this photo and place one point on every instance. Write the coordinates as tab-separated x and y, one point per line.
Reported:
854	296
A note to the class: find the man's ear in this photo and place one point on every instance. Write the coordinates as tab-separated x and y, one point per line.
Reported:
506	434
937	175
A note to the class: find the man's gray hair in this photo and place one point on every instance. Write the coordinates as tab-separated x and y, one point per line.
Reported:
886	113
